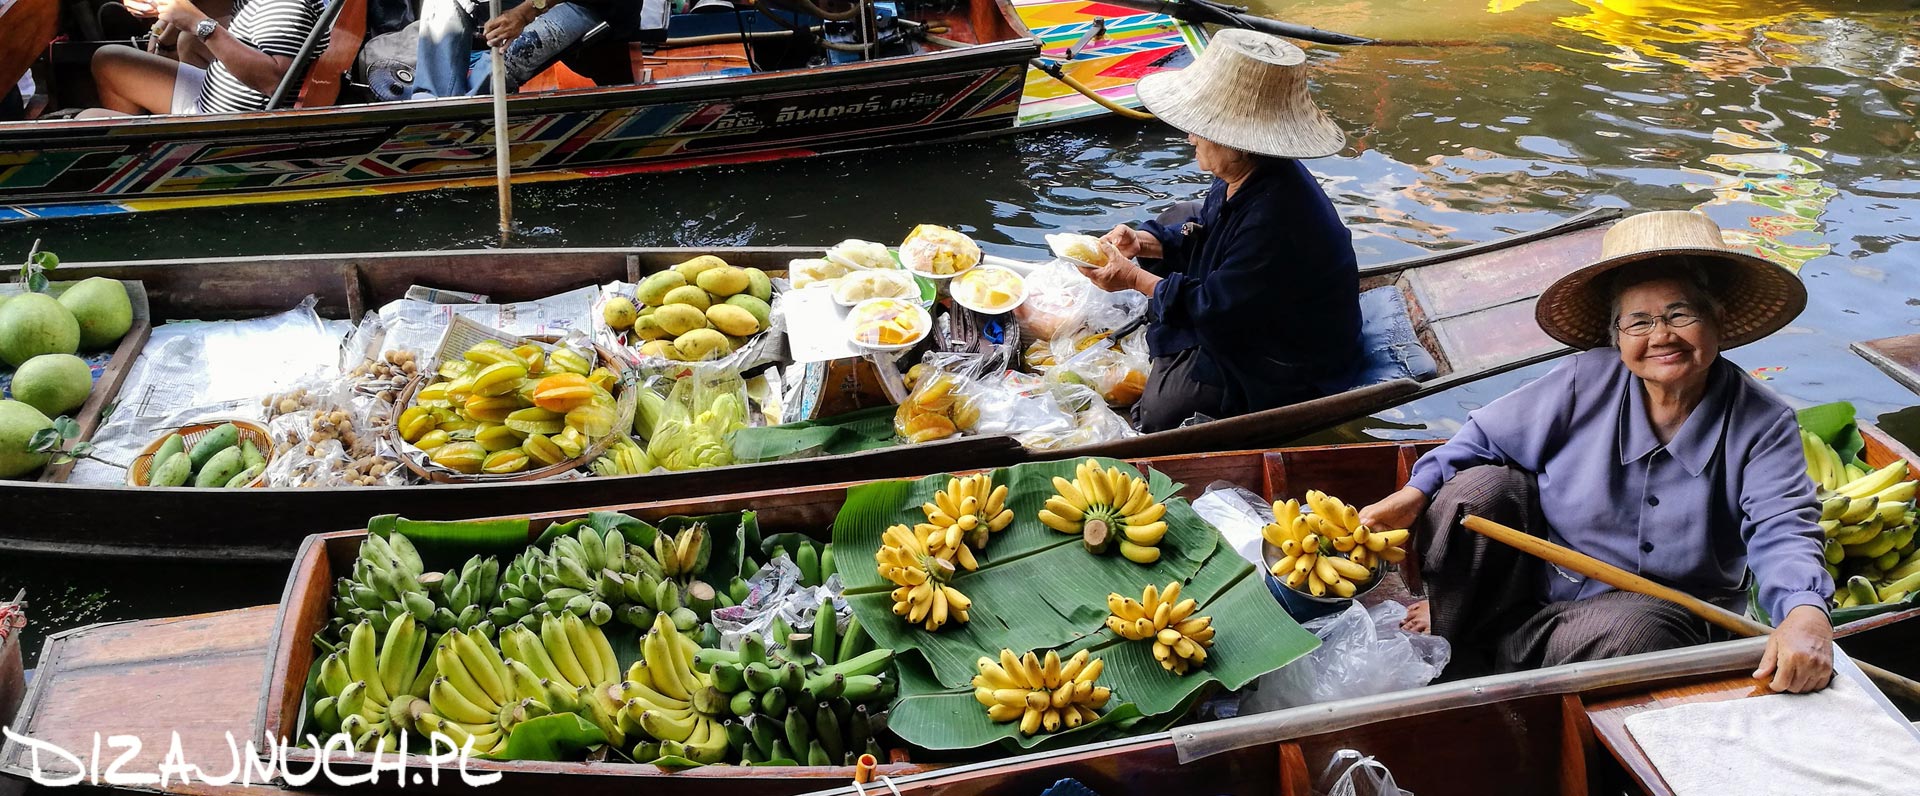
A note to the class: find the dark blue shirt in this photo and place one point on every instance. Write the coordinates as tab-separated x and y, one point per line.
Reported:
1266	285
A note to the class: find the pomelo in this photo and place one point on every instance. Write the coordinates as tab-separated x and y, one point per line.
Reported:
102	308
55	384
18	423
33	324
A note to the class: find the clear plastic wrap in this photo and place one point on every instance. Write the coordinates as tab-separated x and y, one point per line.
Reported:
1239	515
1350	773
687	417
938	404
1363	651
775	591
326	432
1117	372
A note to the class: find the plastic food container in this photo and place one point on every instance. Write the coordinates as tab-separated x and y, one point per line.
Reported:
969	289
862	320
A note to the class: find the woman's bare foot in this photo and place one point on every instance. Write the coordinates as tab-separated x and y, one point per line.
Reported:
1416	621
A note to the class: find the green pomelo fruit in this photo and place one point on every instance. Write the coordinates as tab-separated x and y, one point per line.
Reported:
35	324
102	308
55	384
18	423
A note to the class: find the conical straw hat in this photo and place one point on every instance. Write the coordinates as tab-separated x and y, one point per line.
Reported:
1756	297
1247	91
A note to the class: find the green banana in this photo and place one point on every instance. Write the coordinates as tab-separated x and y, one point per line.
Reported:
826	640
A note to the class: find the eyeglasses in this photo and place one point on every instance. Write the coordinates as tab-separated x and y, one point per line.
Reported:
1642	325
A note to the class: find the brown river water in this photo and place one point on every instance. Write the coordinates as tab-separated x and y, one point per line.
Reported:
1791	123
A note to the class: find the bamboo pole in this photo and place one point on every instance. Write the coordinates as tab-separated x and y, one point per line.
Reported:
1626	581
503	158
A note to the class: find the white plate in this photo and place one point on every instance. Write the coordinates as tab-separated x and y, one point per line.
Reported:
924	323
1017	301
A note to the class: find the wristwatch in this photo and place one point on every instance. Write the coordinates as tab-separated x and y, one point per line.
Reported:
205	28
538	5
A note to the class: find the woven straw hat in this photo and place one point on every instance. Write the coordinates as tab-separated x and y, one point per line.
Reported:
1247	91
1756	296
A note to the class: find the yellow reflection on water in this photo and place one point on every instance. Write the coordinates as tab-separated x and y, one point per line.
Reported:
1738	32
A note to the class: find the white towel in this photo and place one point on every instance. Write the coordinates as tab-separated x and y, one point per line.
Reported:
1836	742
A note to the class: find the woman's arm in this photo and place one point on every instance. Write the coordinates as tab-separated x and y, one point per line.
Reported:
260	68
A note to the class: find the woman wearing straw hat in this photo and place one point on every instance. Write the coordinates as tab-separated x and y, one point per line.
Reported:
1647	450
1254	299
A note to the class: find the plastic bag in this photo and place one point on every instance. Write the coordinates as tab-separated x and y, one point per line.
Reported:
775	591
1117	371
1350	773
687	416
1092	421
1240	515
326	432
1057	295
939	403
1362	652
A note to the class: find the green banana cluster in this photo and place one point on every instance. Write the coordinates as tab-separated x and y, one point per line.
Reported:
602	577
368	685
388	580
814	559
818	699
1869	520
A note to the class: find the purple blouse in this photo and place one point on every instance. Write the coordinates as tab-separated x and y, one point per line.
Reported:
1728	493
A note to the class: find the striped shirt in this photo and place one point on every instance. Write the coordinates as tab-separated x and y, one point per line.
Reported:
274	27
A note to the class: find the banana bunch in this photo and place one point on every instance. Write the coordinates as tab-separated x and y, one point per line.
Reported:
365	683
1824	466
1041	695
963	515
906	558
601	577
1870	523
566	667
674	709
384	584
463	597
1310	555
1180	639
1099	502
623	458
1340	522
476	698
817	700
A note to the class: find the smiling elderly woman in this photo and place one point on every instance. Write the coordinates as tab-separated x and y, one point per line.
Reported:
1647	450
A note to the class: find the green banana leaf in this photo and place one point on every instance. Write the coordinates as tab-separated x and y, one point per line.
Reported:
560	736
854	432
1835	423
635	530
1038	589
444	544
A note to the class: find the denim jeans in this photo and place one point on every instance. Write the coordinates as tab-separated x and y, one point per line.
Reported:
449	66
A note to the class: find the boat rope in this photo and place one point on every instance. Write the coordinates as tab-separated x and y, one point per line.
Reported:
1053	68
861	789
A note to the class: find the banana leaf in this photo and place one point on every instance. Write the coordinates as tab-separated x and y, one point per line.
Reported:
444	544
635	530
1834	423
854	432
1038	589
560	736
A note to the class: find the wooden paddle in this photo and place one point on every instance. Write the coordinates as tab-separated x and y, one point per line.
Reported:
503	160
1626	581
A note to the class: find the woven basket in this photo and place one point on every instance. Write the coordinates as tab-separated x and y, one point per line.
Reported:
192	432
413	457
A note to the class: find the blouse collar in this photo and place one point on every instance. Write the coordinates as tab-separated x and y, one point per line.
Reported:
1698	440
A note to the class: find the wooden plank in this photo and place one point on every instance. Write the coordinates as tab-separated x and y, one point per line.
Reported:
1493	336
1501	277
1295	778
1898	357
1576	746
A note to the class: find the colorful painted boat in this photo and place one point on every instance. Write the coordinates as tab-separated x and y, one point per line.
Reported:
976	81
1469	309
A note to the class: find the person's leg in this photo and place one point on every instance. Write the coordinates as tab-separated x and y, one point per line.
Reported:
1610	625
445	50
1173	394
1478	589
132	81
545	38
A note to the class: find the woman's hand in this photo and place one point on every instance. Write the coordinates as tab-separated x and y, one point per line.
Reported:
1799	656
1133	244
1120	273
502	30
1396	511
176	14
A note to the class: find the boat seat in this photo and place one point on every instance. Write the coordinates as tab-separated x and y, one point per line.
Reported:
327	73
1387	340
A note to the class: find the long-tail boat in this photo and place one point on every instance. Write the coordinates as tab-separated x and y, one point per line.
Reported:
1470	308
754	84
243	672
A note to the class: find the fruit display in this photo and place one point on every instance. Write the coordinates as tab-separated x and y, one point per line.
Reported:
476	653
962	517
482	412
887	323
697	310
1869	521
989	289
219	458
855	255
624	457
908	559
807	272
1044	695
938	251
1328	550
1102	503
1079	248
934	410
688	426
1180	639
862	285
34	324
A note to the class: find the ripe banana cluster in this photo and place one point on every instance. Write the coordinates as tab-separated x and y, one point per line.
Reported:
623	458
368	684
963	515
564	667
906	559
1328	550
1869	521
1042	695
816	700
673	710
1180	639
477	696
1101	503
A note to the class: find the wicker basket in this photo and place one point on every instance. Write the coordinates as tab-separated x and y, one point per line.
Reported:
413	458
192	432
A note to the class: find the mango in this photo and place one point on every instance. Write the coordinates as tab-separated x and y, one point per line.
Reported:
660	349
619	313
759	285
225	436
653	289
647	328
691	296
678	319
692	269
732	320
762	312
171	470
460	457
724	281
174	443
245	476
702	344
511	460
220	469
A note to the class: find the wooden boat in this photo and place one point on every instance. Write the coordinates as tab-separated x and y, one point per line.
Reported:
1898	357
242	672
696	107
1472	308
